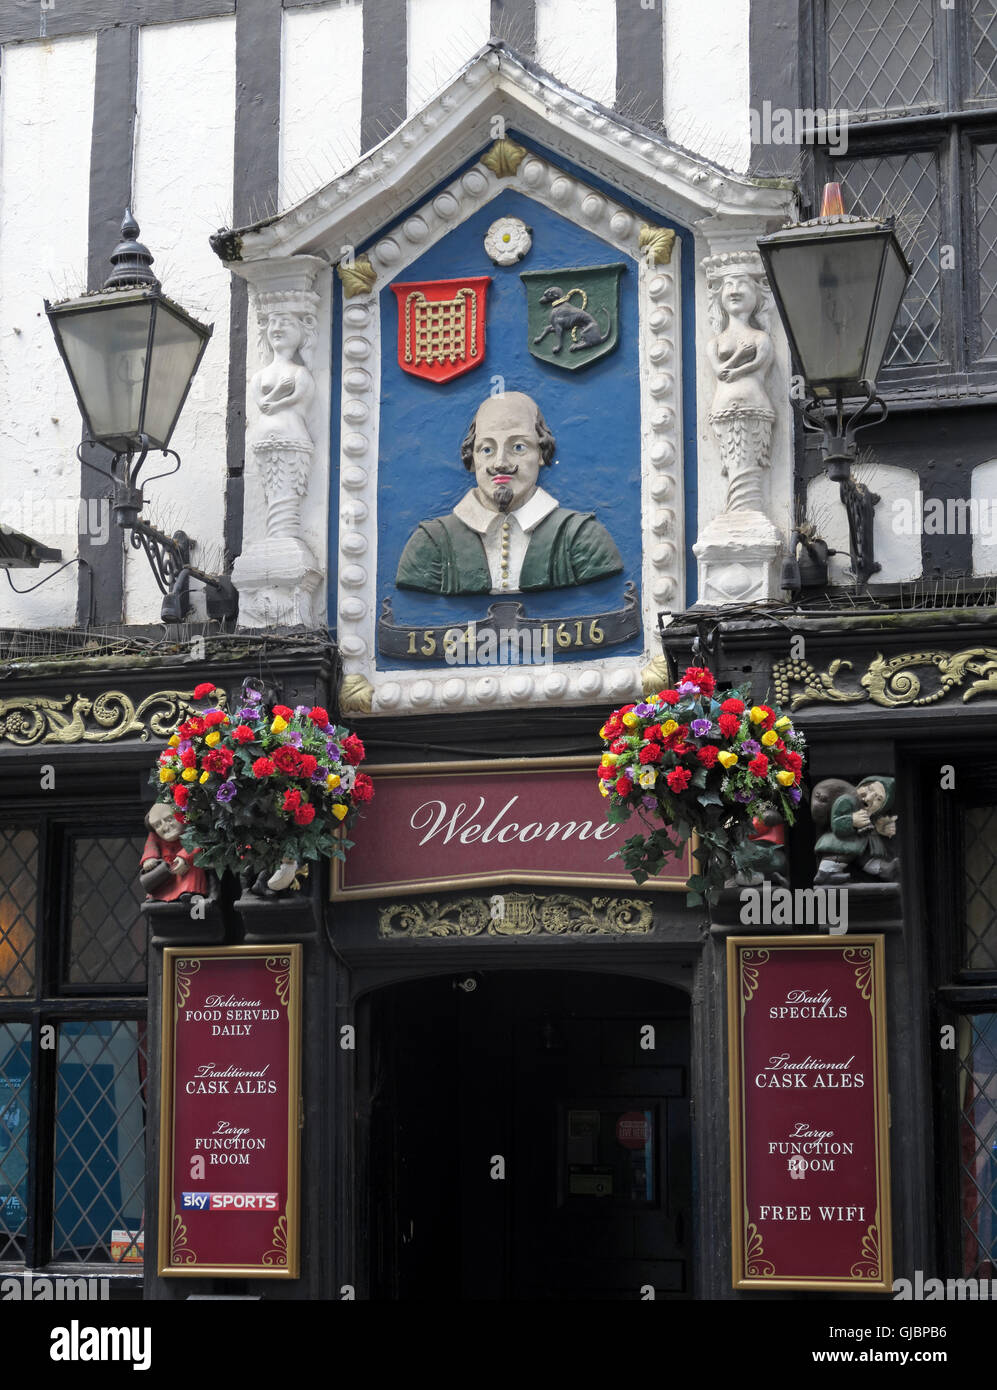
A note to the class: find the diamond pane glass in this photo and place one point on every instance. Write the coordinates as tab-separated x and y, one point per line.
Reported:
978	1143
880	56
100	1143
15	1096
986	244
983	49
18	910
980	838
107	930
906	187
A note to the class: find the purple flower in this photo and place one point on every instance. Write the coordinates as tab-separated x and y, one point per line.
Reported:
247	713
225	792
301	709
794	795
701	727
320	773
687	688
643	710
293	737
334	751
648	802
630	772
253	697
751	746
184	745
742	796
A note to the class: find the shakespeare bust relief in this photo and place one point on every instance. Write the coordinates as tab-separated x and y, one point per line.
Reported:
507	534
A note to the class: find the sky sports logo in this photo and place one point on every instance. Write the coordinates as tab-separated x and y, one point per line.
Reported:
230	1201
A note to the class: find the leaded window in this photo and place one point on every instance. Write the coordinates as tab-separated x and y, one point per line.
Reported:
73	1079
918	81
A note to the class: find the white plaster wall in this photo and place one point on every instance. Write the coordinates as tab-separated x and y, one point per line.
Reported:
897	548
442	35
984	493
707	78
321	84
576	43
182	188
46	116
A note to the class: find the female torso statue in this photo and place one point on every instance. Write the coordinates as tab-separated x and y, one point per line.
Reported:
282	392
741	414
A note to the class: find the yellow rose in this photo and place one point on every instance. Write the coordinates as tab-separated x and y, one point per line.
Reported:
728	759
757	715
602	732
332	781
770	738
610	759
213	738
189	774
669	726
279	724
204	776
173	741
783	723
339	810
786	778
648	776
166	774
630	719
603	789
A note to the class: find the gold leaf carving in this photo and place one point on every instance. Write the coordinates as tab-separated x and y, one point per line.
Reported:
754	1249
861	958
891	683
180	1251
357	278
750	963
655	676
277	1254
517	914
280	967
504	158
77	719
817	686
658	243
868	1266
185	970
356	695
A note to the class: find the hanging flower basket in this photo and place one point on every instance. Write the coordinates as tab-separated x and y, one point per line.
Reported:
264	790
690	761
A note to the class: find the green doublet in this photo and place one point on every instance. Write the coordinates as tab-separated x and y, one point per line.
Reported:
444	556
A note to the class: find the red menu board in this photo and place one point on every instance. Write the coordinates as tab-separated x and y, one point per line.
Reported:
509	820
228	1186
810	1190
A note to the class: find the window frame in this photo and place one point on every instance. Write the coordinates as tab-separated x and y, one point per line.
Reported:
52	1002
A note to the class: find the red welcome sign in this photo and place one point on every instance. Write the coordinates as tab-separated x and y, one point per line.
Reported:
228	1194
511	820
810	1187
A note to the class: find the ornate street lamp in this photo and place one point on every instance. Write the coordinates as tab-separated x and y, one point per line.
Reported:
131	354
838	282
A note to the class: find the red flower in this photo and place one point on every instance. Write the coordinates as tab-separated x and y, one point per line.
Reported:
729	725
613	725
759	765
288	760
196	725
184	729
769	717
681	747
669	697
263	767
179	815
618	745
319	716
205	688
307	763
679	778
650	753
283	711
606	773
699	675
213	717
363	787
654	731
304	815
292	800
180	794
708	754
242	733
218	760
789	759
733	706
188	758
624	786
354	749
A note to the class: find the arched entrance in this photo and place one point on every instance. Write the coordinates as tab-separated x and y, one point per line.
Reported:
526	1135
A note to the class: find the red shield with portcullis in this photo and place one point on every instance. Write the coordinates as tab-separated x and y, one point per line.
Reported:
441	326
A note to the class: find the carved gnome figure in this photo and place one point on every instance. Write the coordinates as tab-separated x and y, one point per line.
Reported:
860	829
167	871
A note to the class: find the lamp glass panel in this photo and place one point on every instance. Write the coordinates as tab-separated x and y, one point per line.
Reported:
175	349
895	279
827	290
106	351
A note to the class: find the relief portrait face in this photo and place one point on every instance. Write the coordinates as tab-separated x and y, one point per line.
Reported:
163	822
506	451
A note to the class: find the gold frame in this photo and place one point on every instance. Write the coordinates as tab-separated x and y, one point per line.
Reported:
495	766
738	1211
166	1118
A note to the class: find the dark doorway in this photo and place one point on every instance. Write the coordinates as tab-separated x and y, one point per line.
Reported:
542	1077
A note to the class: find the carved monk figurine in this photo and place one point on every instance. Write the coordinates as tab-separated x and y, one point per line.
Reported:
167	871
507	534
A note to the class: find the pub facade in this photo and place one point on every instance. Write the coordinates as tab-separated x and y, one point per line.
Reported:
498	432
